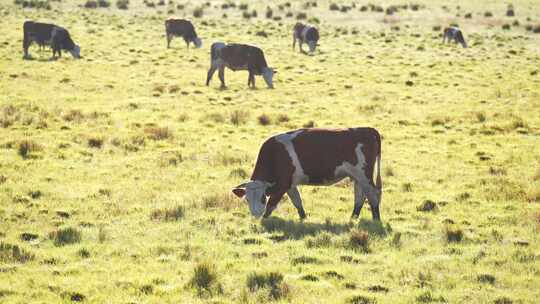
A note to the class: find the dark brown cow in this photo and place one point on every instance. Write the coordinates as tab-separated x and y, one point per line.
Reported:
182	28
48	34
305	33
454	33
315	157
239	57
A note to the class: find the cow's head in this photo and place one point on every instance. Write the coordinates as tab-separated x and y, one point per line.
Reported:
76	51
197	41
312	45
268	75
255	193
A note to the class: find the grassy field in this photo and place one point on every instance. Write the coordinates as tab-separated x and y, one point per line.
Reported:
116	169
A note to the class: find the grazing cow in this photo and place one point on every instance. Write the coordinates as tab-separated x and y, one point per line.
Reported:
49	34
239	57
182	28
305	33
454	33
315	157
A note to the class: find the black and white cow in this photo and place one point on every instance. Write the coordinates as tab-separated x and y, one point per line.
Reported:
49	34
305	33
181	28
454	33
315	157
238	57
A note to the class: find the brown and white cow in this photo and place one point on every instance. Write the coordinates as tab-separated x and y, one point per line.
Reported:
315	157
305	33
454	33
238	57
48	34
182	28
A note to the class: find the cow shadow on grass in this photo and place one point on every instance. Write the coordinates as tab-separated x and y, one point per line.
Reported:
294	229
40	59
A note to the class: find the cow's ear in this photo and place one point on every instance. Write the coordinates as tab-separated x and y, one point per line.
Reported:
240	192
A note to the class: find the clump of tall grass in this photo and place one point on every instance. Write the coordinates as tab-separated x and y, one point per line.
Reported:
169	214
205	279
65	236
270	282
14	253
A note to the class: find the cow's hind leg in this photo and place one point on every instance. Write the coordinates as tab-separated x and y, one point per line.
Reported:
374	199
211	71
359	199
221	75
294	195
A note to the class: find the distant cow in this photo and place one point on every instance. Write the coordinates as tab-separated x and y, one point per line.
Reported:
239	57
454	33
182	28
305	33
49	34
315	157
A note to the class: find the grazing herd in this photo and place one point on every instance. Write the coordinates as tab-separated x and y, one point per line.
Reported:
287	160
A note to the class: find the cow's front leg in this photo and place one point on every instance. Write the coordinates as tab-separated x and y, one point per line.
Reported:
300	42
272	202
221	75
294	195
169	39
359	198
251	79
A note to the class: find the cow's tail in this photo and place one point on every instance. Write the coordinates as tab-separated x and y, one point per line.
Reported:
378	182
215	51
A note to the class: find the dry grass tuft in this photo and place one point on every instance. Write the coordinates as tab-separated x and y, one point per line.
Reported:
205	279
361	299
65	236
264	120
272	282
359	239
169	214
225	201
14	254
27	146
95	142
73	116
453	234
158	133
239	117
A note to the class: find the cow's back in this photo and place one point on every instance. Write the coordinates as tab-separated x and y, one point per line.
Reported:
242	56
180	27
321	151
38	31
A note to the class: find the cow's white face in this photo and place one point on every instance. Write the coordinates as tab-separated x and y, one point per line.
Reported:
198	42
268	75
312	46
76	52
255	192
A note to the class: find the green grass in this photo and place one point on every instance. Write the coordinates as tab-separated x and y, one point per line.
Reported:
116	169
